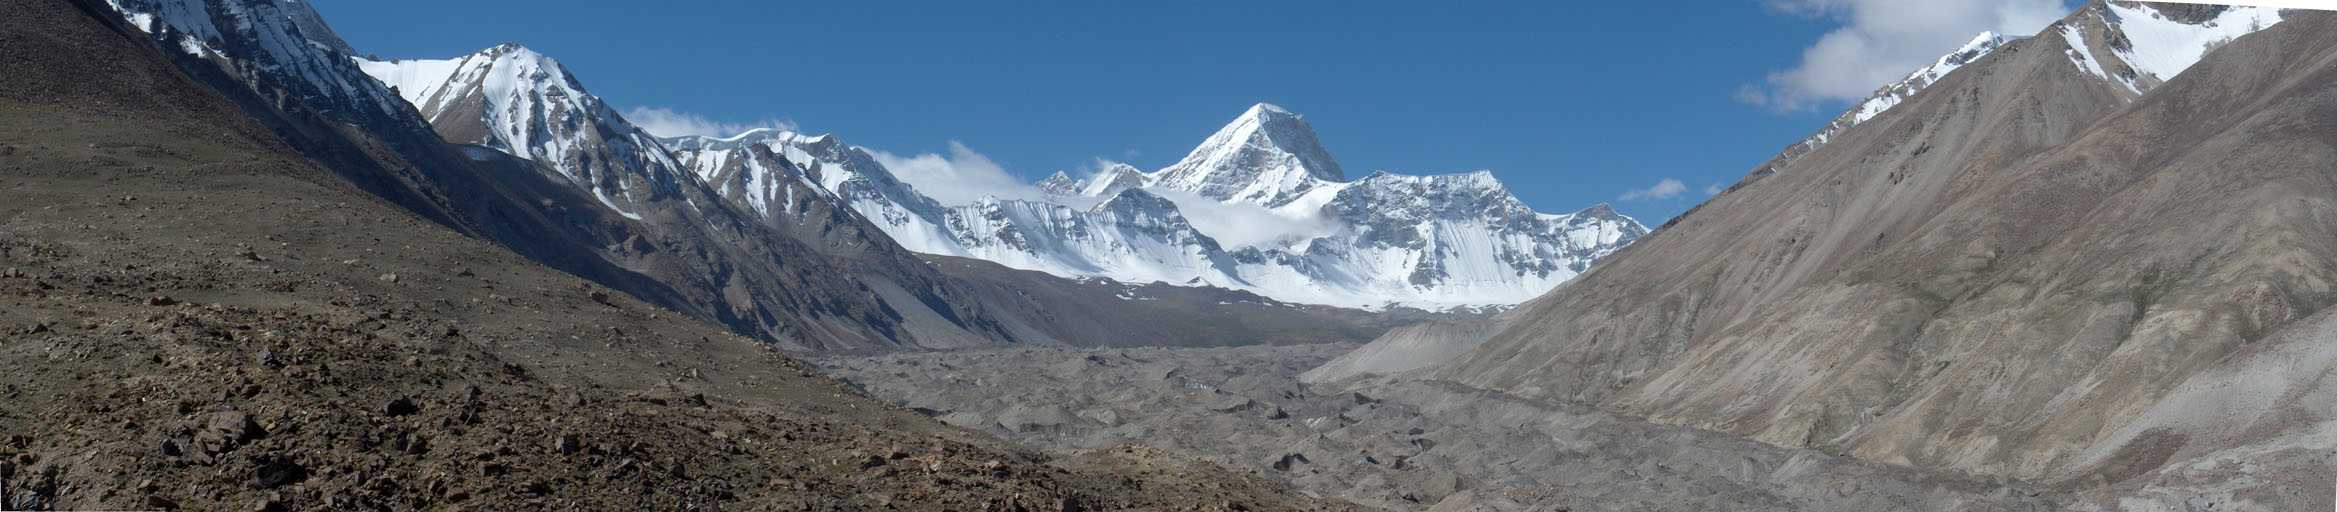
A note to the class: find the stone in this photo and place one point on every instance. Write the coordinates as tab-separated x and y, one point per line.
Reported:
400	407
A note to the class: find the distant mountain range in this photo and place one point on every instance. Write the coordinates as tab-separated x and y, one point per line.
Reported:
1388	239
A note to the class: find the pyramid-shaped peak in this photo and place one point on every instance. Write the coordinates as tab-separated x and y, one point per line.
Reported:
1263	108
1266	156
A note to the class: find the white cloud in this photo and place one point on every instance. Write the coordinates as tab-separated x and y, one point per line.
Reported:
1665	189
670	123
1715	189
1881	41
963	176
1236	226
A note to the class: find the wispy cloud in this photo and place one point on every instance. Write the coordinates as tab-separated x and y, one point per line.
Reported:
1880	41
1715	189
1666	188
960	177
1239	225
665	122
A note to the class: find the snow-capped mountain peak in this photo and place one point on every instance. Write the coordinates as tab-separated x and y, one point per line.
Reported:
1060	183
1113	179
1267	156
524	103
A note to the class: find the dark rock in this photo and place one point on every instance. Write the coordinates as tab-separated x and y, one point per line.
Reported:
159	300
228	429
170	448
400	407
1289	459
277	472
567	444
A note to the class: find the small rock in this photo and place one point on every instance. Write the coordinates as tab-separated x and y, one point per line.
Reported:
567	444
278	472
159	300
1278	414
227	429
389	278
1289	459
1233	404
170	448
400	407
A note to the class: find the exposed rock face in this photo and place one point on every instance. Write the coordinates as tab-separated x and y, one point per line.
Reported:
1999	275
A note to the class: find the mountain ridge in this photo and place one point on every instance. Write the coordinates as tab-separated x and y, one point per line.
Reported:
2043	254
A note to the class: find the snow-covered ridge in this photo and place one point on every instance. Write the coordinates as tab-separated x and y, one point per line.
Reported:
2139	46
2133	45
524	103
851	174
285	41
1890	95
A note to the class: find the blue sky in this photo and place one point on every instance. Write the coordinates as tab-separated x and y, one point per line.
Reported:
1570	103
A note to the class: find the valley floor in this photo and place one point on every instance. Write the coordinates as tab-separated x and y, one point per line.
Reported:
1397	445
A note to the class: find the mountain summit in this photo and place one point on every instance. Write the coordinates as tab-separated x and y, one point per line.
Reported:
1268	156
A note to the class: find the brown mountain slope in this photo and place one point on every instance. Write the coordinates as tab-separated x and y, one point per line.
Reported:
195	316
1995	276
